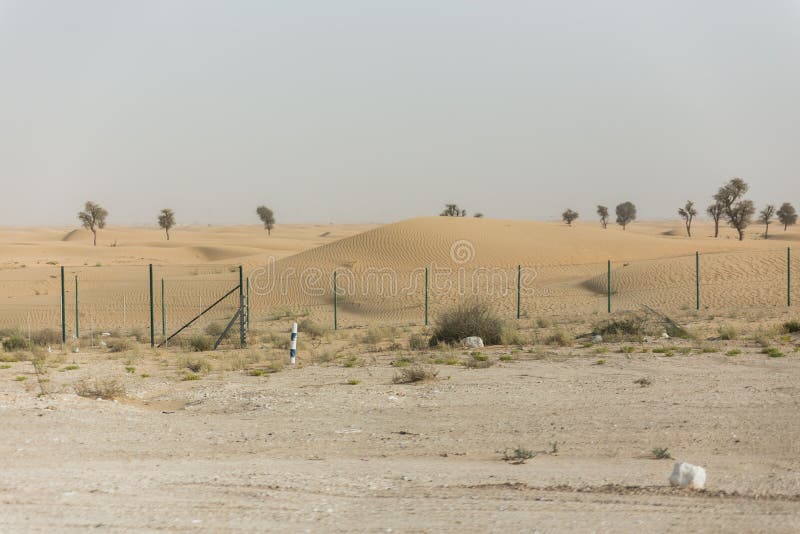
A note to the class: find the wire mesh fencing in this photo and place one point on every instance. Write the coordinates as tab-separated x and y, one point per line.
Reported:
203	306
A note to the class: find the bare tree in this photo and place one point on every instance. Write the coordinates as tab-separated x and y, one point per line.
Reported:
602	211
93	217
688	212
569	216
715	211
626	214
166	220
765	218
787	215
267	217
740	215
452	210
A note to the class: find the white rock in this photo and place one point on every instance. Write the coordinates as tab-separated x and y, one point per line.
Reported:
686	475
472	342
597	339
665	335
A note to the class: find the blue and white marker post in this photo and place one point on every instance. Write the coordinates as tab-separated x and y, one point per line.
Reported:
293	347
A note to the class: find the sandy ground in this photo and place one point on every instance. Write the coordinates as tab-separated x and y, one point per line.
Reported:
334	445
303	450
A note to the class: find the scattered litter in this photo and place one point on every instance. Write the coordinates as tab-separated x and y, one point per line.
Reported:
685	475
472	342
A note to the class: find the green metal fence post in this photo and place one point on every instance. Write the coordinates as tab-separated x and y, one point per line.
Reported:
247	296
152	316
163	314
426	296
63	310
335	304
697	278
519	291
788	276
242	319
608	288
77	332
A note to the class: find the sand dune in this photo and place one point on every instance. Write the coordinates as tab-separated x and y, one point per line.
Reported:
381	270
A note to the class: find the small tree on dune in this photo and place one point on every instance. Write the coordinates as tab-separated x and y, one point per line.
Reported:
452	210
569	216
93	217
740	215
166	220
715	211
765	218
267	217
688	212
602	211
626	214
787	215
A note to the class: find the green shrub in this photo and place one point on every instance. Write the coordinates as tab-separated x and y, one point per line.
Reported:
733	352
15	342
121	344
772	352
417	373
311	329
467	319
791	327
45	337
626	329
417	342
560	338
196	364
200	343
728	332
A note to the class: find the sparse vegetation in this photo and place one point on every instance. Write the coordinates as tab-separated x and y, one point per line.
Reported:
119	344
791	327
108	388
728	332
200	343
643	382
15	342
625	329
661	453
473	318
518	455
772	352
733	352
195	364
452	210
418	342
560	338
416	373
311	329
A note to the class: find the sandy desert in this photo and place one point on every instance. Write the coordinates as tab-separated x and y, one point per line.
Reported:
549	431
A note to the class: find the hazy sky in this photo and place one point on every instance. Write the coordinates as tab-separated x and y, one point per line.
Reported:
372	110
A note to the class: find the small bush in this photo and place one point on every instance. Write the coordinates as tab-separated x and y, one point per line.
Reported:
15	342
661	453
627	349
772	352
416	373
194	364
543	322
46	336
728	332
510	335
518	455
190	376
600	362
215	330
375	335
733	352
199	343
121	344
643	382
417	342
353	382
627	329
791	327
311	329
107	389
467	319
560	338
